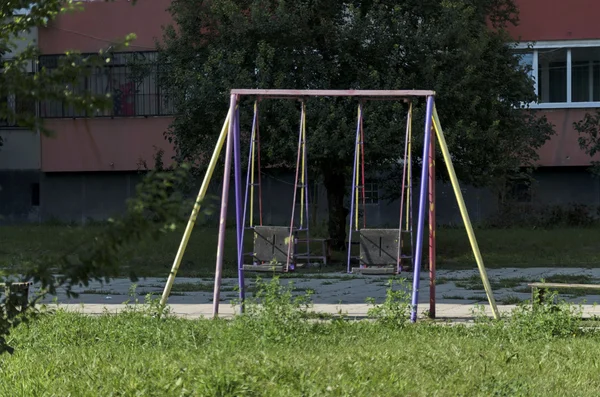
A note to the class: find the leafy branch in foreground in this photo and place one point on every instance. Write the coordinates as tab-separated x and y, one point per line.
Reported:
589	137
157	208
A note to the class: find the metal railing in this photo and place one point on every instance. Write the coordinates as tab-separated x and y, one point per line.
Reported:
132	80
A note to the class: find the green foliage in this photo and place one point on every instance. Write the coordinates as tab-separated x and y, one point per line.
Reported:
394	311
550	318
589	137
528	352
18	63
545	216
274	313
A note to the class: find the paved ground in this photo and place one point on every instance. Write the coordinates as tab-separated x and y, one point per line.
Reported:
457	292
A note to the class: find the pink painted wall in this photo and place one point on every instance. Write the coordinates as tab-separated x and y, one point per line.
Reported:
557	20
563	149
560	20
101	23
103	144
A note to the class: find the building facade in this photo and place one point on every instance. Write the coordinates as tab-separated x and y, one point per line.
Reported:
92	164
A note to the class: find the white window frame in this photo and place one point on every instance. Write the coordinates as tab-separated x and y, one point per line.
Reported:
567	45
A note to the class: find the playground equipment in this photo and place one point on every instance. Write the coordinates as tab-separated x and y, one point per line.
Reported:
381	250
231	133
276	248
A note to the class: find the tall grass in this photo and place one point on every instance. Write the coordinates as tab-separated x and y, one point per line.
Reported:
276	350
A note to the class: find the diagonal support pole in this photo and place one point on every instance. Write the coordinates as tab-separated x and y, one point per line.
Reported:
463	212
422	204
196	210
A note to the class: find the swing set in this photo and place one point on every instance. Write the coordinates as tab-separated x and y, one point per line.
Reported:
272	251
382	251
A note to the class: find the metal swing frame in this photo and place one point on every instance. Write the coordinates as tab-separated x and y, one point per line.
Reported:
381	250
230	133
275	248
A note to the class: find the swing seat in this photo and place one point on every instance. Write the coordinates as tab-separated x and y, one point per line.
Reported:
271	249
378	251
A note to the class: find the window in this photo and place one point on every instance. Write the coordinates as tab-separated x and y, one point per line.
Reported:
371	193
552	76
35	194
131	79
519	190
566	74
15	104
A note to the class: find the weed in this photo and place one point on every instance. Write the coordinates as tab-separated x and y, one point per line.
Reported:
396	307
569	278
543	320
510	300
274	312
477	298
453	297
327	283
100	292
192	287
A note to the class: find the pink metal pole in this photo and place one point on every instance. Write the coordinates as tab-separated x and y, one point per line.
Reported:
432	226
224	201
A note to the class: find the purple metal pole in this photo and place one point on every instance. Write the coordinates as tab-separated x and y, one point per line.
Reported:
237	164
223	215
252	138
353	191
306	184
422	203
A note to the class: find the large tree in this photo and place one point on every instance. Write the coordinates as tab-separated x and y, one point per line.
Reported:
459	48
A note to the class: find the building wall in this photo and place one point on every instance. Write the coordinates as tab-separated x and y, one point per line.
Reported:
565	22
19	160
104	144
83	196
20	150
557	20
103	23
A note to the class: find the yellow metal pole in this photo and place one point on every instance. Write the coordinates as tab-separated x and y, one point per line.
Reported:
408	171
253	143
303	121
464	213
195	211
357	168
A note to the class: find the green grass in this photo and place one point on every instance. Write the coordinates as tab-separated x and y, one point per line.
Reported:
500	248
453	297
511	300
99	292
474	283
569	279
283	351
193	287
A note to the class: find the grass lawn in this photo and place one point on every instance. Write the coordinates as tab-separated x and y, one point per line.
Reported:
500	248
278	354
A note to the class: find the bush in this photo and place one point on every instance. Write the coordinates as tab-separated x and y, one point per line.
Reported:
547	216
274	313
395	309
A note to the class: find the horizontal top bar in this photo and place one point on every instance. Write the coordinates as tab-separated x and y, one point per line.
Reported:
348	93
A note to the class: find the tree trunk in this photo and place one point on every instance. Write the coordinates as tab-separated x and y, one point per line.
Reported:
335	184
